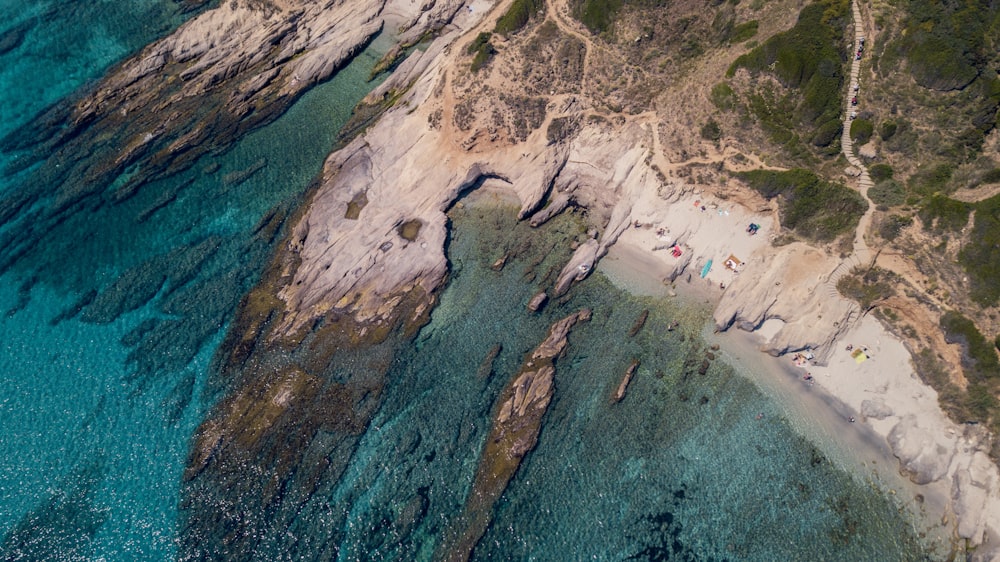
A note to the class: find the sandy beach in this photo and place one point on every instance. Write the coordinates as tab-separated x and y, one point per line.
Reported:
859	411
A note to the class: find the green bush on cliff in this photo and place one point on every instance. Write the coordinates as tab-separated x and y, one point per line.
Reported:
744	31
979	359
806	58
861	130
868	285
887	130
517	16
810	206
482	50
597	15
827	132
880	172
711	130
931	178
941	213
723	96
981	254
890	227
887	193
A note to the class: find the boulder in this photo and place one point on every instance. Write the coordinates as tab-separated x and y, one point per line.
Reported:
875	408
923	455
537	302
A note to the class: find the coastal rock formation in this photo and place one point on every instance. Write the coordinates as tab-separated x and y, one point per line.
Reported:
972	486
921	453
876	408
220	75
343	262
626	379
516	425
537	302
788	285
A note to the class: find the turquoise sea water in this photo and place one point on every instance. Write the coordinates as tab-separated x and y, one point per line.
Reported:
108	328
97	408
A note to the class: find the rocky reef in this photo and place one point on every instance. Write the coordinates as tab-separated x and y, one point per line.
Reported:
516	424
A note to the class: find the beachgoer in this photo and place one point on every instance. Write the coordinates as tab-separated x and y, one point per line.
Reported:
851	419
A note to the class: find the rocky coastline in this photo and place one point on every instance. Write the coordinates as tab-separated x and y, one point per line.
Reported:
365	257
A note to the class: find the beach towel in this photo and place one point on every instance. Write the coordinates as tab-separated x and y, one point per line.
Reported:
859	356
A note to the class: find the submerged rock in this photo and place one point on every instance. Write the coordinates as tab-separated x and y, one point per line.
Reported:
639	323
517	422
623	385
537	302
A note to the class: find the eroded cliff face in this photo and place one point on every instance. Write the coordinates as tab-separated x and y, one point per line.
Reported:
789	284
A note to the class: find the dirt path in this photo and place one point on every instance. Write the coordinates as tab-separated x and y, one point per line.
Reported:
861	254
559	12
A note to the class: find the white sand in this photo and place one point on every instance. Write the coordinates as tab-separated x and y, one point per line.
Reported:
885	383
713	235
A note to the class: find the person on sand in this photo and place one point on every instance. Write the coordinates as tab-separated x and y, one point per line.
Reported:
851	419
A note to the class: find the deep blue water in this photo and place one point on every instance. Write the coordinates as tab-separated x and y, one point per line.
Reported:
98	405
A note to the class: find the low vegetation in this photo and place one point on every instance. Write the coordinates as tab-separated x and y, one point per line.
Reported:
711	130
809	205
981	367
887	193
597	15
869	286
518	15
981	254
861	130
890	227
481	49
807	60
744	31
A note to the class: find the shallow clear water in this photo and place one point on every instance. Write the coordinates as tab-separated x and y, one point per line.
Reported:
681	469
98	407
108	328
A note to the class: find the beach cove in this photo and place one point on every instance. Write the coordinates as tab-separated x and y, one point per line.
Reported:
314	363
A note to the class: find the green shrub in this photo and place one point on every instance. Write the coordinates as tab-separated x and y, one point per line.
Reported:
517	16
931	179
806	57
482	49
887	130
744	31
978	357
809	206
723	96
711	131
827	132
992	176
861	130
939	62
940	213
868	286
880	172
479	42
891	226
597	15
981	255
887	193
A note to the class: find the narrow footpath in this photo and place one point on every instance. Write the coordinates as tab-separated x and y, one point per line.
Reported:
861	254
